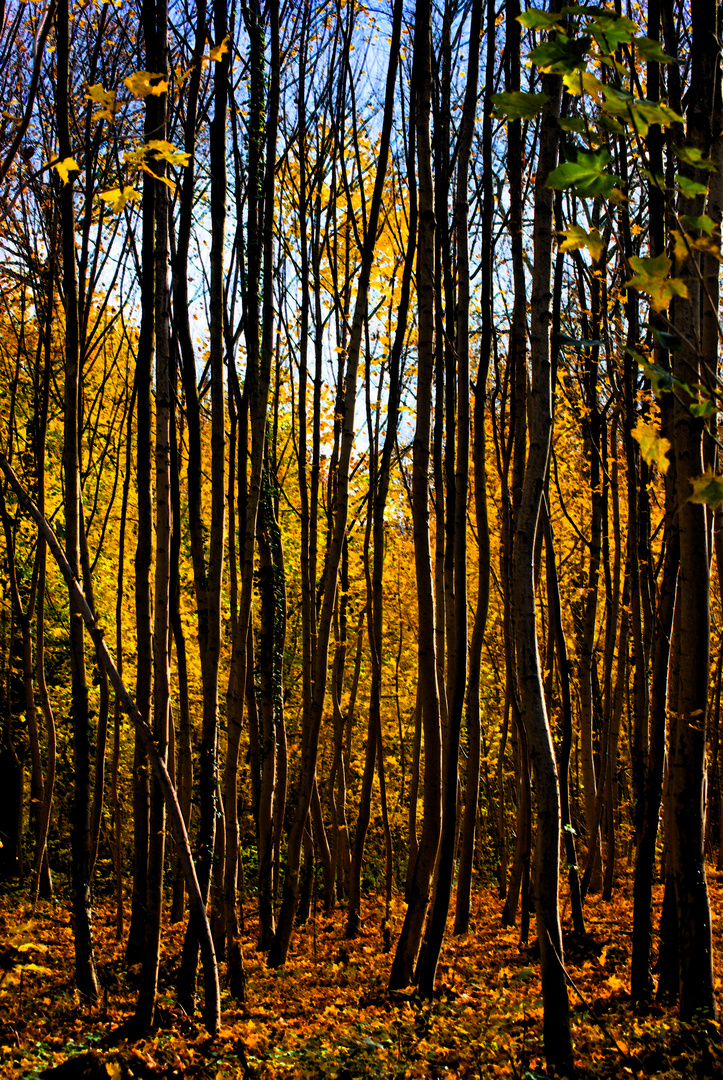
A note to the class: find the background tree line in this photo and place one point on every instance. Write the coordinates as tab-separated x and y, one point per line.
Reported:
365	366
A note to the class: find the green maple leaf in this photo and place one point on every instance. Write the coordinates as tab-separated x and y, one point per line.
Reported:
587	176
708	489
519	105
651	51
534	19
562	54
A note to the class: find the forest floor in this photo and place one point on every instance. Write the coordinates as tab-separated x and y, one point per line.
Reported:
328	1014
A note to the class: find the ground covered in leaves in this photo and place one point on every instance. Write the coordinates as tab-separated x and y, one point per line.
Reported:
328	1012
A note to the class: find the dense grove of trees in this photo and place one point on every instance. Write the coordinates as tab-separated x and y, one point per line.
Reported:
360	366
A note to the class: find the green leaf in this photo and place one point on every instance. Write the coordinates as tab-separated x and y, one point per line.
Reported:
587	176
651	51
572	123
651	277
703	409
661	381
519	105
534	19
563	54
611	33
701	222
690	188
584	82
691	155
609	123
617	99
671	342
644	113
708	489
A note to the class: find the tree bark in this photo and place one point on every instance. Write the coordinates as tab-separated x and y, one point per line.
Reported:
688	766
418	898
85	973
556	1020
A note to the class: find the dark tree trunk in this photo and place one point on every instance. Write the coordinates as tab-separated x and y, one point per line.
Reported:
556	1023
418	894
85	974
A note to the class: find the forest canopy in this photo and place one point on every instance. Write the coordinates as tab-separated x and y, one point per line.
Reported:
361	501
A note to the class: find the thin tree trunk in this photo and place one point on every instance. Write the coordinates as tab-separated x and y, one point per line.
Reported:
445	868
155	28
418	900
85	973
479	465
314	707
556	1018
697	995
563	664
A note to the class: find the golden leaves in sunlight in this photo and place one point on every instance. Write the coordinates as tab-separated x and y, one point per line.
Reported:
653	446
143	83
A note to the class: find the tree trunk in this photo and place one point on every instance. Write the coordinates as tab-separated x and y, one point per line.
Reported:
155	29
313	708
479	465
85	974
688	766
418	899
556	1021
445	868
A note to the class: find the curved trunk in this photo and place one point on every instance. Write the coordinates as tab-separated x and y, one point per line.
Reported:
479	466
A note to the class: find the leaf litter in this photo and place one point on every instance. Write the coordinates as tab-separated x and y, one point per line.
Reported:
328	1013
